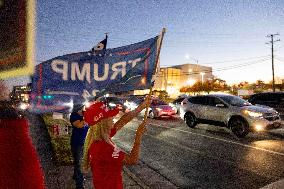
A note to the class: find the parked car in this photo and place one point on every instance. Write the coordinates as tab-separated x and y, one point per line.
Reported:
114	102
229	111
274	100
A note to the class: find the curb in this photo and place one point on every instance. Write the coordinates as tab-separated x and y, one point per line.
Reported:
275	185
277	134
147	177
135	178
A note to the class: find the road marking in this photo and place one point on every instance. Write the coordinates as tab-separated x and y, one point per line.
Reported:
182	147
220	139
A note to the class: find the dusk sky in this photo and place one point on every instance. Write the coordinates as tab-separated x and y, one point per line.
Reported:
228	35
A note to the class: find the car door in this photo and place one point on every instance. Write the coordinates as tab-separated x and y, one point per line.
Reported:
198	106
216	109
263	99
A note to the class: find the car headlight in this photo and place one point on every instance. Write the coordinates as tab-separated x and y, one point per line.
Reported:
159	109
112	104
259	127
253	114
130	105
24	106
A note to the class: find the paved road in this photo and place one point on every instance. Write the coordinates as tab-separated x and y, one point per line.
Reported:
207	156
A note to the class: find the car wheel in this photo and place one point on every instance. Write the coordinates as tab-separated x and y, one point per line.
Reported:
151	114
190	120
239	127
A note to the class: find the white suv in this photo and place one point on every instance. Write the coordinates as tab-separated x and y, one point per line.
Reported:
230	111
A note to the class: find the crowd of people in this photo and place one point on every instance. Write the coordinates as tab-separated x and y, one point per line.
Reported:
91	146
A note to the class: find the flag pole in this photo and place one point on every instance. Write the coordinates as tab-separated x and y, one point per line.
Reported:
160	41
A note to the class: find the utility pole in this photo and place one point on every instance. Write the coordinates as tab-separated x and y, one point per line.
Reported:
272	57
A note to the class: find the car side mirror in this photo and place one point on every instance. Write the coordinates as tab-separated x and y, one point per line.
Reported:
220	105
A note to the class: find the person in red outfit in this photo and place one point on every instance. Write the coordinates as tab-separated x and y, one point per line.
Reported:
101	153
19	163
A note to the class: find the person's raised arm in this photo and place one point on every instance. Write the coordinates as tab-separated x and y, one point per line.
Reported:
133	157
130	115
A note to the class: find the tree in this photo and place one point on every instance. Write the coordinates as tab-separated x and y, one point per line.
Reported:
196	88
207	86
162	94
234	89
184	89
259	86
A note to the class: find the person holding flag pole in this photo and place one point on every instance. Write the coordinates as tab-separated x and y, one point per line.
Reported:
80	128
100	153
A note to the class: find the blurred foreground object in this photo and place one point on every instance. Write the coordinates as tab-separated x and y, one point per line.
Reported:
20	167
16	37
4	94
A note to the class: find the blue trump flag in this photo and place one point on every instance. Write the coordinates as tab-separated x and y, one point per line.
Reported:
62	80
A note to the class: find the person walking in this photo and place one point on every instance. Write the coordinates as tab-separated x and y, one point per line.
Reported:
100	153
79	132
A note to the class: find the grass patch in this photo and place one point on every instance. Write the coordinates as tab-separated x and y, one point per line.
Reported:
60	144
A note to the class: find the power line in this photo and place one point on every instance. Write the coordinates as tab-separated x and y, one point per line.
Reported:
279	56
278	48
280	59
224	69
234	60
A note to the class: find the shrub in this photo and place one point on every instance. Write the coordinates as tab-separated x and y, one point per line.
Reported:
60	144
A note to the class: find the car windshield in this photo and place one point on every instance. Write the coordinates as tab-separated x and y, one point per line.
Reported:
235	101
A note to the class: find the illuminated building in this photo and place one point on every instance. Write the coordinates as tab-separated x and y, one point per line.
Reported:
20	93
171	79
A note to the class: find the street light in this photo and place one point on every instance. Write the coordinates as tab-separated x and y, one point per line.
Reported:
202	77
202	80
